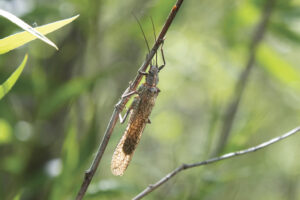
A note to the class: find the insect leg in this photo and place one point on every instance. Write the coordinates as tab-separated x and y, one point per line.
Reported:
129	94
123	119
132	106
143	73
162	55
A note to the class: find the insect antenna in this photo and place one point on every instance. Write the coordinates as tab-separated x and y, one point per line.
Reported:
138	21
153	27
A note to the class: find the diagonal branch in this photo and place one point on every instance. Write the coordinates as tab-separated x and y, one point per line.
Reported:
152	187
120	105
232	107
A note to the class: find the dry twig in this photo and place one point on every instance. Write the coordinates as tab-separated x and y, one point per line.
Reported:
120	105
152	187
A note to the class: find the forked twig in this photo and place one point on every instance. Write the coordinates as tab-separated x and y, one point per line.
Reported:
152	187
120	105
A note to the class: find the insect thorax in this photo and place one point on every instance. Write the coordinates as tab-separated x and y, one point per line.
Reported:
152	76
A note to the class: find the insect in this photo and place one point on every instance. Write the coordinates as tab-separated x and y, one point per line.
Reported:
139	112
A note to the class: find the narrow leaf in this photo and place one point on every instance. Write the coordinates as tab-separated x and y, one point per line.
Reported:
26	27
11	42
9	83
284	31
71	89
278	67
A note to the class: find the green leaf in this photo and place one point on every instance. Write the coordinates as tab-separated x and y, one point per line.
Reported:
278	67
11	42
9	83
5	132
71	89
70	160
18	195
26	27
284	31
238	21
70	147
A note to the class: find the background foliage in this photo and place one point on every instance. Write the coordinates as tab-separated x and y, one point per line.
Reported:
53	119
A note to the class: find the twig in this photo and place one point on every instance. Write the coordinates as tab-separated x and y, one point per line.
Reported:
152	187
232	107
120	105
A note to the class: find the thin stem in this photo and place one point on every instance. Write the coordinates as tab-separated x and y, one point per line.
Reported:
233	106
152	187
89	174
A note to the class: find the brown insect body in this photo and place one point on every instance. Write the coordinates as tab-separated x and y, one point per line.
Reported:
140	111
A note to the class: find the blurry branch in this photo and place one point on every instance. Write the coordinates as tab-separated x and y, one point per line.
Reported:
152	187
231	110
122	102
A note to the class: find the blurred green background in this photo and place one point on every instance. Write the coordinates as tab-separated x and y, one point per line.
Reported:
52	121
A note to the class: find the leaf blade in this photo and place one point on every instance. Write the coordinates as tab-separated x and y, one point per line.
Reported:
13	41
14	19
278	67
12	79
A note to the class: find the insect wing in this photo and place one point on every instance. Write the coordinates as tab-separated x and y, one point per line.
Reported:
125	149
